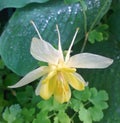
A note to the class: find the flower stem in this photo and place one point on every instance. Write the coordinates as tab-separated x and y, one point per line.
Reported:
85	42
93	24
51	115
73	117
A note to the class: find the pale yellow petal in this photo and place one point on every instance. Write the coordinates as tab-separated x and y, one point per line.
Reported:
45	82
77	82
30	77
44	51
88	60
62	92
45	92
49	76
80	77
37	90
46	89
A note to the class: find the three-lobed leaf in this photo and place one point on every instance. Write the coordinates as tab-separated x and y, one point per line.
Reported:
63	117
42	117
75	104
95	36
12	113
99	98
100	33
28	114
83	95
51	105
96	113
89	102
85	115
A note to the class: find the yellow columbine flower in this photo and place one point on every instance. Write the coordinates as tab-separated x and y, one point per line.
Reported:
61	71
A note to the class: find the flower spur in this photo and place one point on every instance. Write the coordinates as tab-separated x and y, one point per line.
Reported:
61	71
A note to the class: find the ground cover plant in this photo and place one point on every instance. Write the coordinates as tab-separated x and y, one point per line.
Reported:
69	50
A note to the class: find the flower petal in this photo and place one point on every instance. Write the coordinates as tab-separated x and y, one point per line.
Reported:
81	78
69	50
89	60
44	51
45	89
77	82
31	76
62	92
37	90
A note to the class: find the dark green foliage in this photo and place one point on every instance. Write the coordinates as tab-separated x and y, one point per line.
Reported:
22	105
114	21
12	114
91	104
100	33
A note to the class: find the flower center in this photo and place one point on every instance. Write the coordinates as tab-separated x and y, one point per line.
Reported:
61	67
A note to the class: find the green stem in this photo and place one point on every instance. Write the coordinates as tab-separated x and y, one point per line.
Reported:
85	17
73	117
86	103
98	15
91	27
51	115
85	42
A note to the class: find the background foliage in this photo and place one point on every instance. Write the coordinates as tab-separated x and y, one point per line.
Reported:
16	34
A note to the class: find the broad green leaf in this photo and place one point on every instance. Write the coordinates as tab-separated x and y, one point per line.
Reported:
82	2
115	5
114	21
18	34
71	1
1	64
18	4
